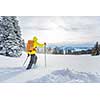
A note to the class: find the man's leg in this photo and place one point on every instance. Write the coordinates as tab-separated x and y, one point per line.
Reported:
35	59
31	62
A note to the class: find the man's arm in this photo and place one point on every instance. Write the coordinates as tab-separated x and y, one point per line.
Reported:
41	45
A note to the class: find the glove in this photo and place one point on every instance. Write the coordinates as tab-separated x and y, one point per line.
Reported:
44	43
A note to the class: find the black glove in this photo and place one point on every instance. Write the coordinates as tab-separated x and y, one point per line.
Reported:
45	43
28	55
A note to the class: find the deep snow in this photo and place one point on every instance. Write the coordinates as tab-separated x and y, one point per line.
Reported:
67	76
60	68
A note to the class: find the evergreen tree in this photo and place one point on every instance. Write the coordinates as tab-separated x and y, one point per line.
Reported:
11	43
95	50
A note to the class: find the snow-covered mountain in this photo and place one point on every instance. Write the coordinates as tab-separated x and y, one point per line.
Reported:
65	49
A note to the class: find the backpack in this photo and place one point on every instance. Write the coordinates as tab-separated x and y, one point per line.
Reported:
30	45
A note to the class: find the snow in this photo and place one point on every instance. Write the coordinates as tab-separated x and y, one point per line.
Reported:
60	68
67	76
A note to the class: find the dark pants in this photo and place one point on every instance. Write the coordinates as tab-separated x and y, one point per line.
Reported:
33	60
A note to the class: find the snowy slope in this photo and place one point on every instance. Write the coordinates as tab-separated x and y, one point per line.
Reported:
79	68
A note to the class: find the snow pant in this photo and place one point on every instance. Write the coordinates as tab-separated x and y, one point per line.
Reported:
33	60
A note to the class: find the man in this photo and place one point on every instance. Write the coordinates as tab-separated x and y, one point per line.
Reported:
32	53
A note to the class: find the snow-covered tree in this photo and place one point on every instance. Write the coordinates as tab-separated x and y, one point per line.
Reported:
11	43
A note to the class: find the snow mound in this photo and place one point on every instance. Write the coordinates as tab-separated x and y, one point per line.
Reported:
68	76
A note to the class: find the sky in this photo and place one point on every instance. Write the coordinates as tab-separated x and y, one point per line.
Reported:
61	29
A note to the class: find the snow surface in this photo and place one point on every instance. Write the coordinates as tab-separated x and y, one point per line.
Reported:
60	68
67	76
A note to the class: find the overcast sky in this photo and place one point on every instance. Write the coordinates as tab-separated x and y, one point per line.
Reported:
71	30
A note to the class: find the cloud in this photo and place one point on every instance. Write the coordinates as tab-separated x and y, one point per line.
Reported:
76	28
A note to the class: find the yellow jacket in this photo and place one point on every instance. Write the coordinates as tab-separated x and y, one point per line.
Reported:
35	45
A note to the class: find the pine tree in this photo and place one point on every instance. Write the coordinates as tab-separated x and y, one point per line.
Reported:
95	50
11	43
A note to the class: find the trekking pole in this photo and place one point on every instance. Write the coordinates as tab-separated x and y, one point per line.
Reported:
45	55
25	61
